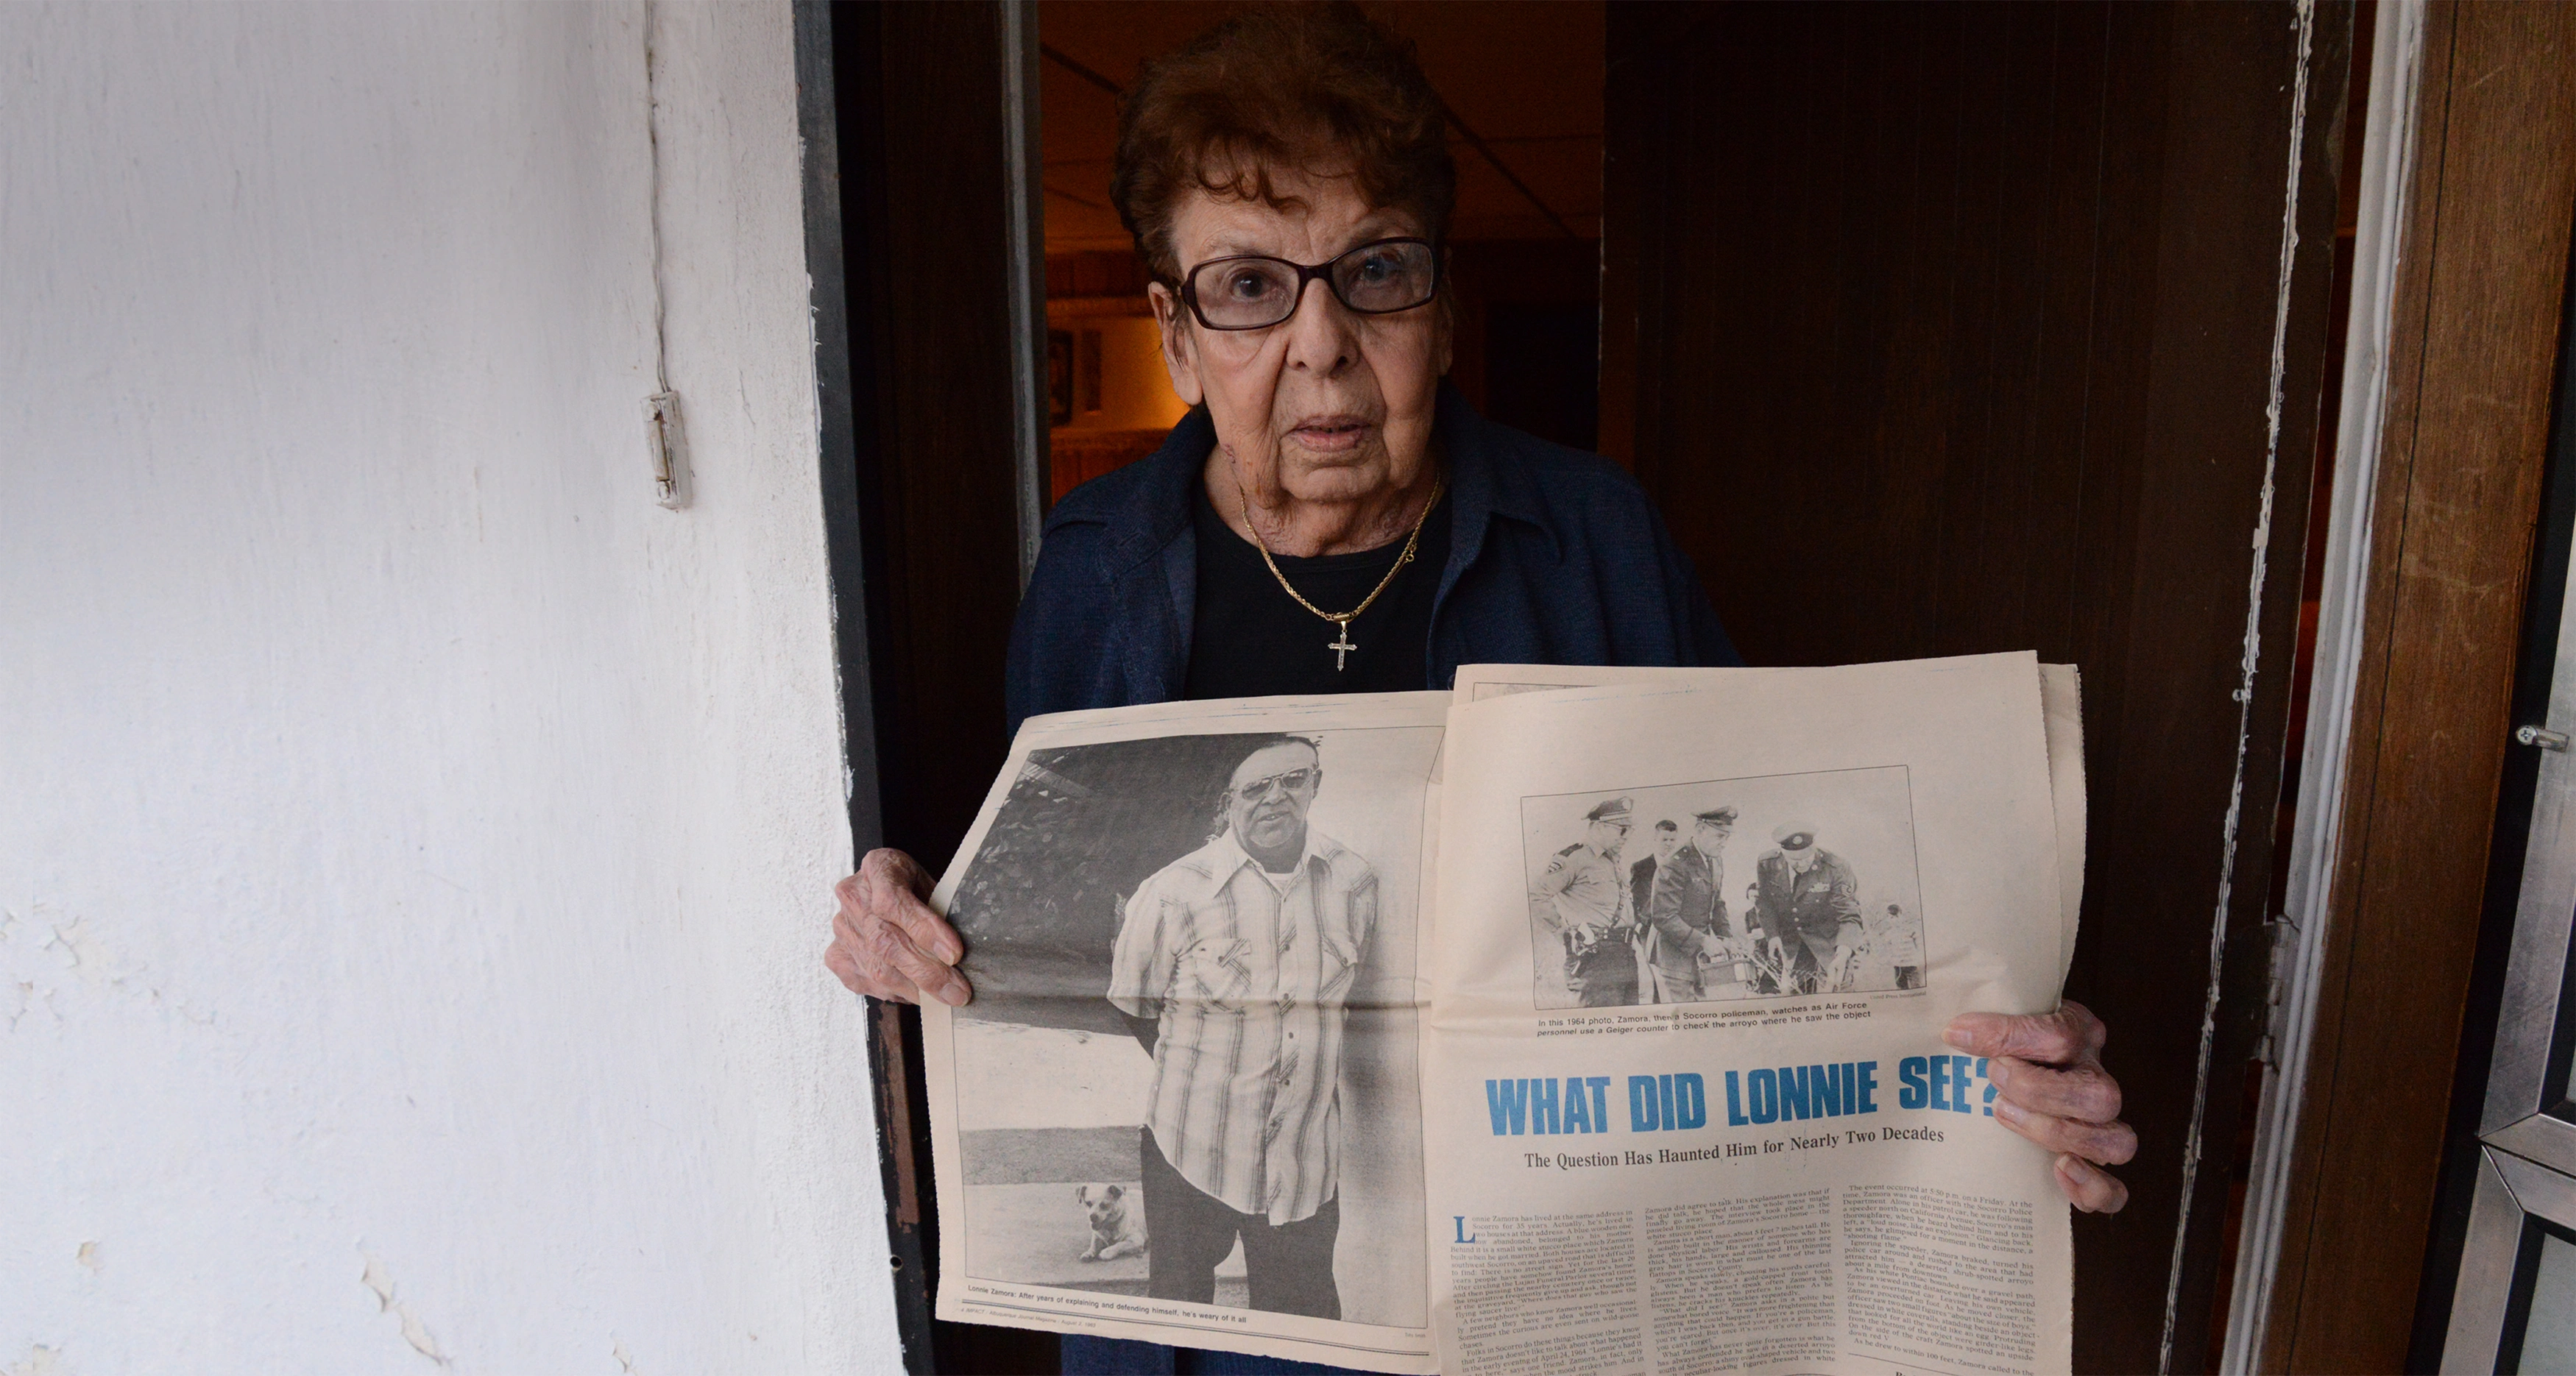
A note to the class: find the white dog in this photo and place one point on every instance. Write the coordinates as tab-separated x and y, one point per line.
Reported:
1115	1232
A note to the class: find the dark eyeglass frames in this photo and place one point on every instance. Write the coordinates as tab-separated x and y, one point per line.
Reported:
1253	293
1294	781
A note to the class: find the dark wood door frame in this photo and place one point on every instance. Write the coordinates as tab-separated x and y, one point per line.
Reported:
845	371
2023	310
910	204
2472	362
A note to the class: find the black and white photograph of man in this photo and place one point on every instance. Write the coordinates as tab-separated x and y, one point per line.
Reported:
1686	917
1641	875
1582	898
1194	973
1832	898
1902	944
1232	964
1807	907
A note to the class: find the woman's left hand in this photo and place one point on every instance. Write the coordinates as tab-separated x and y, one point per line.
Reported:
2051	1088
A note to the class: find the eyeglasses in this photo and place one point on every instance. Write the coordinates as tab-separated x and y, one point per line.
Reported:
1253	293
1294	781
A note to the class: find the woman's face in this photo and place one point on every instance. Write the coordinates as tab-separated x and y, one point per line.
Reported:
1326	406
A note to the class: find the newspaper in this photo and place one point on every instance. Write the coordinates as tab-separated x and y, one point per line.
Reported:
1359	1030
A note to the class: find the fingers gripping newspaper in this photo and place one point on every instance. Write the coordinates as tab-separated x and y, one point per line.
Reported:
1580	1020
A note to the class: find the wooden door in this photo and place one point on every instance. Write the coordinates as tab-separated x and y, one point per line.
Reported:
1947	329
2479	304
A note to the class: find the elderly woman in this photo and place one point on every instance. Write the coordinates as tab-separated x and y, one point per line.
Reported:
1331	517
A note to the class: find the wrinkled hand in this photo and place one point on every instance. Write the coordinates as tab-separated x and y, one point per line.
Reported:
2051	1088
886	942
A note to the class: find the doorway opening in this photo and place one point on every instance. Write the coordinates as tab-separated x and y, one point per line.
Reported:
1888	345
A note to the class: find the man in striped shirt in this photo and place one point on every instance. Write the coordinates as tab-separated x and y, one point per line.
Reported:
1233	964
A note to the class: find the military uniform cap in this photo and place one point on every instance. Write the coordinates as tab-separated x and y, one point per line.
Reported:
1721	816
1794	835
1615	810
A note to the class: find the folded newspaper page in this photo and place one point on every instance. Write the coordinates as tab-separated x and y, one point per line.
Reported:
1739	1144
1243	968
1183	1105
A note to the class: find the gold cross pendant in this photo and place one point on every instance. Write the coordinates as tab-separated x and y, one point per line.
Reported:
1341	643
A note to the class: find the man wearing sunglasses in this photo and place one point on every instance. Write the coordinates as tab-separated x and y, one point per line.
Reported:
1584	896
1233	964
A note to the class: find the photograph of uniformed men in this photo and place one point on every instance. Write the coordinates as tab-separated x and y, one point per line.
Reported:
1195	973
1831	907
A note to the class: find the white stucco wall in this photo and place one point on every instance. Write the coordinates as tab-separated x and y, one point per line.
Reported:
414	842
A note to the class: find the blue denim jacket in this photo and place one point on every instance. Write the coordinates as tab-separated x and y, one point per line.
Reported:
1556	557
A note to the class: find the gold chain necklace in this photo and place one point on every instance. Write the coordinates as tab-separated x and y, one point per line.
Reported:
1341	644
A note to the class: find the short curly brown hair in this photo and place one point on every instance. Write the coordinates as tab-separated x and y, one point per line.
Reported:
1289	86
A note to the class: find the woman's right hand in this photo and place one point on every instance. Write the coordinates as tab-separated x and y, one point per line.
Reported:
886	942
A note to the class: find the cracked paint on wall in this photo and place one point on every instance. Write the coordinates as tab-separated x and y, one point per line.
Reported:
414	1332
87	958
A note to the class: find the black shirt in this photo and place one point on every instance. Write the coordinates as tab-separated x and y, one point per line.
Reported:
1249	638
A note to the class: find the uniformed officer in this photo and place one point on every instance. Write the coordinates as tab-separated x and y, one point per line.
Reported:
1585	897
1807	900
1686	917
